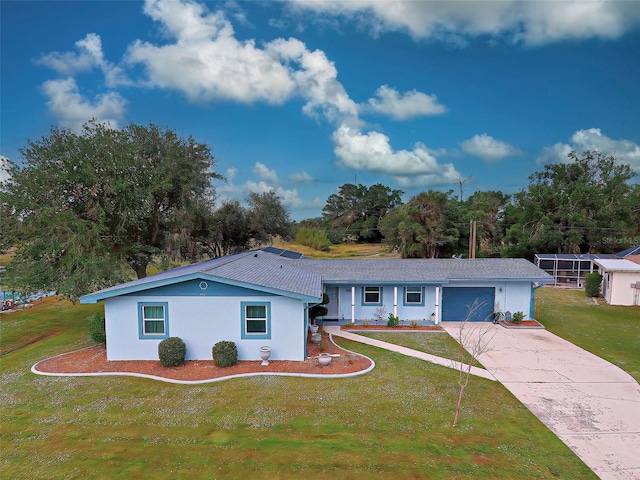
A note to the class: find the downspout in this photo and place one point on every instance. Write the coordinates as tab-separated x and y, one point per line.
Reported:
531	304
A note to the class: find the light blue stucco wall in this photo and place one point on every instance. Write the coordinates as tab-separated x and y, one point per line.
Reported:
405	312
203	321
512	296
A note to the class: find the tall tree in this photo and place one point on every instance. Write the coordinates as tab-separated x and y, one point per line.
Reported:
268	217
356	210
575	207
427	226
231	230
488	209
90	202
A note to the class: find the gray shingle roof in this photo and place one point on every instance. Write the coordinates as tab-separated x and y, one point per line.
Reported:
269	273
304	277
440	270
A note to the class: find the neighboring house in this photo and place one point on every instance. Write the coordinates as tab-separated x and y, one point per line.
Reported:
263	298
620	281
632	254
570	270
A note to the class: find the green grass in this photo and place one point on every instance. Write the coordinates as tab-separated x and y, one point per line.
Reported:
435	343
611	332
391	423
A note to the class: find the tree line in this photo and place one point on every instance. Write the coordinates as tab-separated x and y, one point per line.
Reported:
87	210
588	204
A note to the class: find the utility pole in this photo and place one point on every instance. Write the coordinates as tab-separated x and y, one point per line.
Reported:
472	239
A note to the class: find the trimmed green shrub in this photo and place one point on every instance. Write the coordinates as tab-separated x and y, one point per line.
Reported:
592	284
319	310
225	354
97	331
393	321
517	317
172	351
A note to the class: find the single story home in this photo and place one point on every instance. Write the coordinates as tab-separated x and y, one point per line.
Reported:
570	269
262	298
620	281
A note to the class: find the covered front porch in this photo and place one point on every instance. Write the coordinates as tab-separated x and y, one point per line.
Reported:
413	304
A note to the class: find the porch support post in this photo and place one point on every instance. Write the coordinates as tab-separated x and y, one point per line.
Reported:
353	304
395	301
437	309
306	328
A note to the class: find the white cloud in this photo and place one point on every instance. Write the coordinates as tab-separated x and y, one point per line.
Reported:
289	198
301	177
403	107
488	148
4	169
207	63
88	56
265	173
533	22
372	152
231	173
71	109
625	151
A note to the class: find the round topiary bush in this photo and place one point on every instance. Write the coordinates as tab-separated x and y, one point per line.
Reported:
225	354
172	351
97	331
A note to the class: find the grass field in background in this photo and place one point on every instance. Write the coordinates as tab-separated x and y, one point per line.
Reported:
391	423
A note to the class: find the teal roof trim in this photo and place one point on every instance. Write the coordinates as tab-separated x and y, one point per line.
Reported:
127	289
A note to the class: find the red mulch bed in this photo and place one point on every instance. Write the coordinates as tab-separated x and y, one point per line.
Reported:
523	323
384	327
94	360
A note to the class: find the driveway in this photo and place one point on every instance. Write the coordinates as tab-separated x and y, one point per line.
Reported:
590	404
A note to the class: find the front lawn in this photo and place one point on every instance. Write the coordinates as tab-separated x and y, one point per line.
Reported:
611	332
436	343
391	423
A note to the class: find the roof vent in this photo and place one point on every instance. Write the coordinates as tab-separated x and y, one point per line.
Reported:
255	254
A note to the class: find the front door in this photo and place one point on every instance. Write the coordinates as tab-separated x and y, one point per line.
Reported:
334	302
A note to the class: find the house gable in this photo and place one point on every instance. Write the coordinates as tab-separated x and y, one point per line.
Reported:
201	287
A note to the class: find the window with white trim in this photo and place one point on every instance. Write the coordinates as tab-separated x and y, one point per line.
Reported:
372	295
413	296
153	320
256	320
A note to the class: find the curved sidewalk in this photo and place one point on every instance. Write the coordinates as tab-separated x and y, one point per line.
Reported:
445	362
590	404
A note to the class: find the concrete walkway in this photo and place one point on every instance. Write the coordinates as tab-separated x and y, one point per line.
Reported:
590	404
445	362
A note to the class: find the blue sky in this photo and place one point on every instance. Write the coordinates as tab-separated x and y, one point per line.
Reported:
303	96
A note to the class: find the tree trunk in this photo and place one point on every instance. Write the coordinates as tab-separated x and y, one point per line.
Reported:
455	418
141	270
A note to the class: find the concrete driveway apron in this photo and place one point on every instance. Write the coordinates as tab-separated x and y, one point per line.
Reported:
590	404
